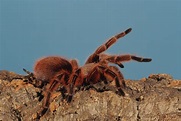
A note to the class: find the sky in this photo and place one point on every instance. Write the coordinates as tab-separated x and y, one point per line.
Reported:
31	29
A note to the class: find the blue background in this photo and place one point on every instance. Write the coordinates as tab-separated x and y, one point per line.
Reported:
30	29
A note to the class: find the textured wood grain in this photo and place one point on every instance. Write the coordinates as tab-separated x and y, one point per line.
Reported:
156	98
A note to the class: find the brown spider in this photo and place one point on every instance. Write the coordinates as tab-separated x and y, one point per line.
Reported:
59	72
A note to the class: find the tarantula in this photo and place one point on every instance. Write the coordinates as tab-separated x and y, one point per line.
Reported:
59	72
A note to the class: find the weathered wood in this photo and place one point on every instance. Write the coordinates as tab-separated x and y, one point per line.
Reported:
156	98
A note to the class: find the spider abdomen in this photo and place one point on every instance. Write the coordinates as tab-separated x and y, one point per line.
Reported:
46	68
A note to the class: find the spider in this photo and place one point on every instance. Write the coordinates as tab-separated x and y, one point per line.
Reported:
57	71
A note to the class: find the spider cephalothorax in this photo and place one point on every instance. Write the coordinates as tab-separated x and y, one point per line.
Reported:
59	72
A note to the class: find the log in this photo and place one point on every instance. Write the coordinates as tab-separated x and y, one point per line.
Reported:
155	98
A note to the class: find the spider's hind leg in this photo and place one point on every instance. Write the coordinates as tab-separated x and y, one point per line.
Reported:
48	93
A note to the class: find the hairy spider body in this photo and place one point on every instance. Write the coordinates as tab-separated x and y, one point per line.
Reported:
58	72
55	72
46	68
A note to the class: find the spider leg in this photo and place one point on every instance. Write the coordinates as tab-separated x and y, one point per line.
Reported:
120	75
107	74
117	77
52	86
95	57
96	80
74	64
123	58
140	59
74	81
111	59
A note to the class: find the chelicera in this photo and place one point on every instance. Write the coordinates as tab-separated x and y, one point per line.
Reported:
57	71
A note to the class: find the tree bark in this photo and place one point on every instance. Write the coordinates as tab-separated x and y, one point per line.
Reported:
156	98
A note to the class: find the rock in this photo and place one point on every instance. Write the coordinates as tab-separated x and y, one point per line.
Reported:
156	98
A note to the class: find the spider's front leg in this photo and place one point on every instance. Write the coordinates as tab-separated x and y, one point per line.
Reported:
95	56
111	59
77	80
123	58
105	73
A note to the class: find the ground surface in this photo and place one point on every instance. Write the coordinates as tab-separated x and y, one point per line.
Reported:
156	98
